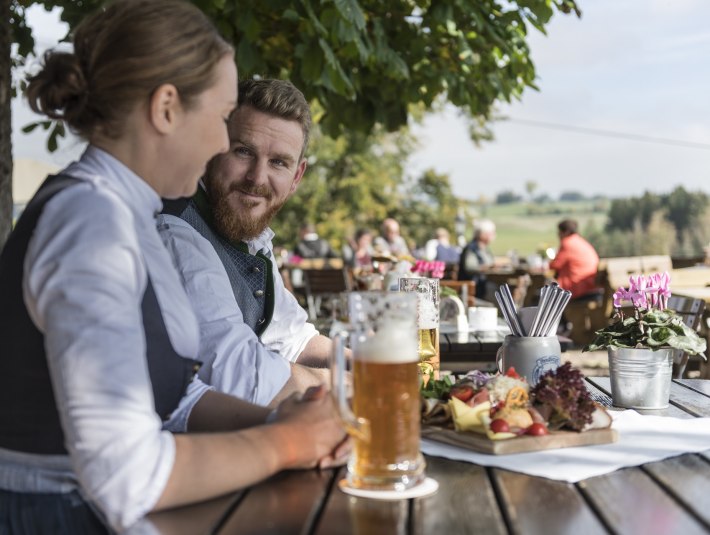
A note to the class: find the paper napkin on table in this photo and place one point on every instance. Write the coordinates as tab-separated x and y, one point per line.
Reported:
642	439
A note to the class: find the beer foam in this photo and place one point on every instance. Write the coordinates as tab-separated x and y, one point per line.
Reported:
388	346
428	313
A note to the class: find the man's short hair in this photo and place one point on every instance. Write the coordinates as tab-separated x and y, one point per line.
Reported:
279	98
567	226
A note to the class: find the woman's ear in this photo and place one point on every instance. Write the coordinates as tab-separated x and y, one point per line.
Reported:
165	108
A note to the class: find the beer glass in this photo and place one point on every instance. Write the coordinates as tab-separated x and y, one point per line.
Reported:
427	292
383	415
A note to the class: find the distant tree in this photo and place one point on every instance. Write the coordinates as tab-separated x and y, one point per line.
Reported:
683	209
366	62
623	213
572	196
530	187
508	197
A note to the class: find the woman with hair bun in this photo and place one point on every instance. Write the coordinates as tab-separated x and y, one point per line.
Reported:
100	413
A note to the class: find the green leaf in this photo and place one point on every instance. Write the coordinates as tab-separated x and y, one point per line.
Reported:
350	11
30	127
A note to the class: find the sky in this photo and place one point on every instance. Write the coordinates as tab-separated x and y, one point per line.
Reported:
634	71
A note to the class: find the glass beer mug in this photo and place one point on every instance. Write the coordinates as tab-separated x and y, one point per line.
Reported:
427	292
383	414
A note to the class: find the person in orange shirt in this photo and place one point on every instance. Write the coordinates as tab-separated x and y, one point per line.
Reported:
576	262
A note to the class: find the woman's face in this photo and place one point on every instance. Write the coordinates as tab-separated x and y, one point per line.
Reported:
203	133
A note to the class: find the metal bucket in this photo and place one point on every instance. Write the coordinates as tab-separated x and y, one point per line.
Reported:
640	378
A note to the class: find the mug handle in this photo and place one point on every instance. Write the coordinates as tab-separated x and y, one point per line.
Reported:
355	426
499	359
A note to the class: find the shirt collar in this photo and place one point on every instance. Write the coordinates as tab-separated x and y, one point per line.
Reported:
104	170
263	242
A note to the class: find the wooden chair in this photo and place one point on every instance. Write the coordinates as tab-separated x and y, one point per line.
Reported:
692	312
590	315
324	283
462	287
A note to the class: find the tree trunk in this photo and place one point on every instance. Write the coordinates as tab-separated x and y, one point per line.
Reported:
5	123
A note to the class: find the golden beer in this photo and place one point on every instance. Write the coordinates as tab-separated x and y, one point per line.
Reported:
386	394
382	413
429	353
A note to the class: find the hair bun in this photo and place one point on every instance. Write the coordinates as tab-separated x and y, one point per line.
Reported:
60	89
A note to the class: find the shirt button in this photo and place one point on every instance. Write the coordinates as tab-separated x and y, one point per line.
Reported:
256	269
259	293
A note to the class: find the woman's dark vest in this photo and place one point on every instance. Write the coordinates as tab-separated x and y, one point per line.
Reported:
29	421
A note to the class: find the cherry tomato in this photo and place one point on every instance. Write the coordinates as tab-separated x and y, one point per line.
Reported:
512	373
500	426
463	392
537	429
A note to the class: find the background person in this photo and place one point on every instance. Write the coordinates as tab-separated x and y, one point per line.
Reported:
310	245
390	240
477	257
358	252
254	333
576	262
99	334
440	248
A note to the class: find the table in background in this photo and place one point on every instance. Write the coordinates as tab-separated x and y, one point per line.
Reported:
665	497
464	351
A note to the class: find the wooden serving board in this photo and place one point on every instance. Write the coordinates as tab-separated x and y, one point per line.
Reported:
522	444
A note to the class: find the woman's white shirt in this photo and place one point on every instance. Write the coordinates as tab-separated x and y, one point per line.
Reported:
86	271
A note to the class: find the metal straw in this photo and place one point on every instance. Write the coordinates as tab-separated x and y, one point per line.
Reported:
511	305
507	314
553	301
539	314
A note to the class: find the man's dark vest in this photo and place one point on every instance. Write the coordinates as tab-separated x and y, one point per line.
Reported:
251	276
29	421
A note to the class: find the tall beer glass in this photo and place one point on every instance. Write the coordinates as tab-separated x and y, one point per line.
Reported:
383	416
427	292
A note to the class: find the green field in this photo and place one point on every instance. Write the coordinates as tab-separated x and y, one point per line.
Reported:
530	228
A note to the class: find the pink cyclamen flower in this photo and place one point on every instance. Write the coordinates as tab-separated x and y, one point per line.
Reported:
664	289
639	299
620	296
637	283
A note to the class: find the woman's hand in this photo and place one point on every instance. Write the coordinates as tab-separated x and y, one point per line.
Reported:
313	434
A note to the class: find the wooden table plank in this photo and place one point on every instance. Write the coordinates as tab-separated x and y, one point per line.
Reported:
630	502
201	518
464	503
542	506
699	385
289	502
346	515
604	384
690	400
688	478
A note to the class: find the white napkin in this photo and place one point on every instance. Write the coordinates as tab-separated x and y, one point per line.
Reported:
642	439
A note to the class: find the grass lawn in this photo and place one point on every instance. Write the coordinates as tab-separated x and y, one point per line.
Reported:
531	228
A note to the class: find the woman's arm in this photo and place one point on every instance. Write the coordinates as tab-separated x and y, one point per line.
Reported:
306	431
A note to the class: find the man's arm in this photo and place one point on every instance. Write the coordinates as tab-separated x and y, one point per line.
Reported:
317	352
302	377
235	360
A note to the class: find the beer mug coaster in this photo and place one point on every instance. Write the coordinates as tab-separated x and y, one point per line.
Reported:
425	488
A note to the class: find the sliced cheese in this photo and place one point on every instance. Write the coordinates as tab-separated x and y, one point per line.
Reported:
469	418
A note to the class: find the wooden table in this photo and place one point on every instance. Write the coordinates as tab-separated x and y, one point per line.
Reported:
665	497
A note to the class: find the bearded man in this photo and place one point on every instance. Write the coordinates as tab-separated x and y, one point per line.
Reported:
255	341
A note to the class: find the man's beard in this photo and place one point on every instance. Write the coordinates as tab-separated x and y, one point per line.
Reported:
233	223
